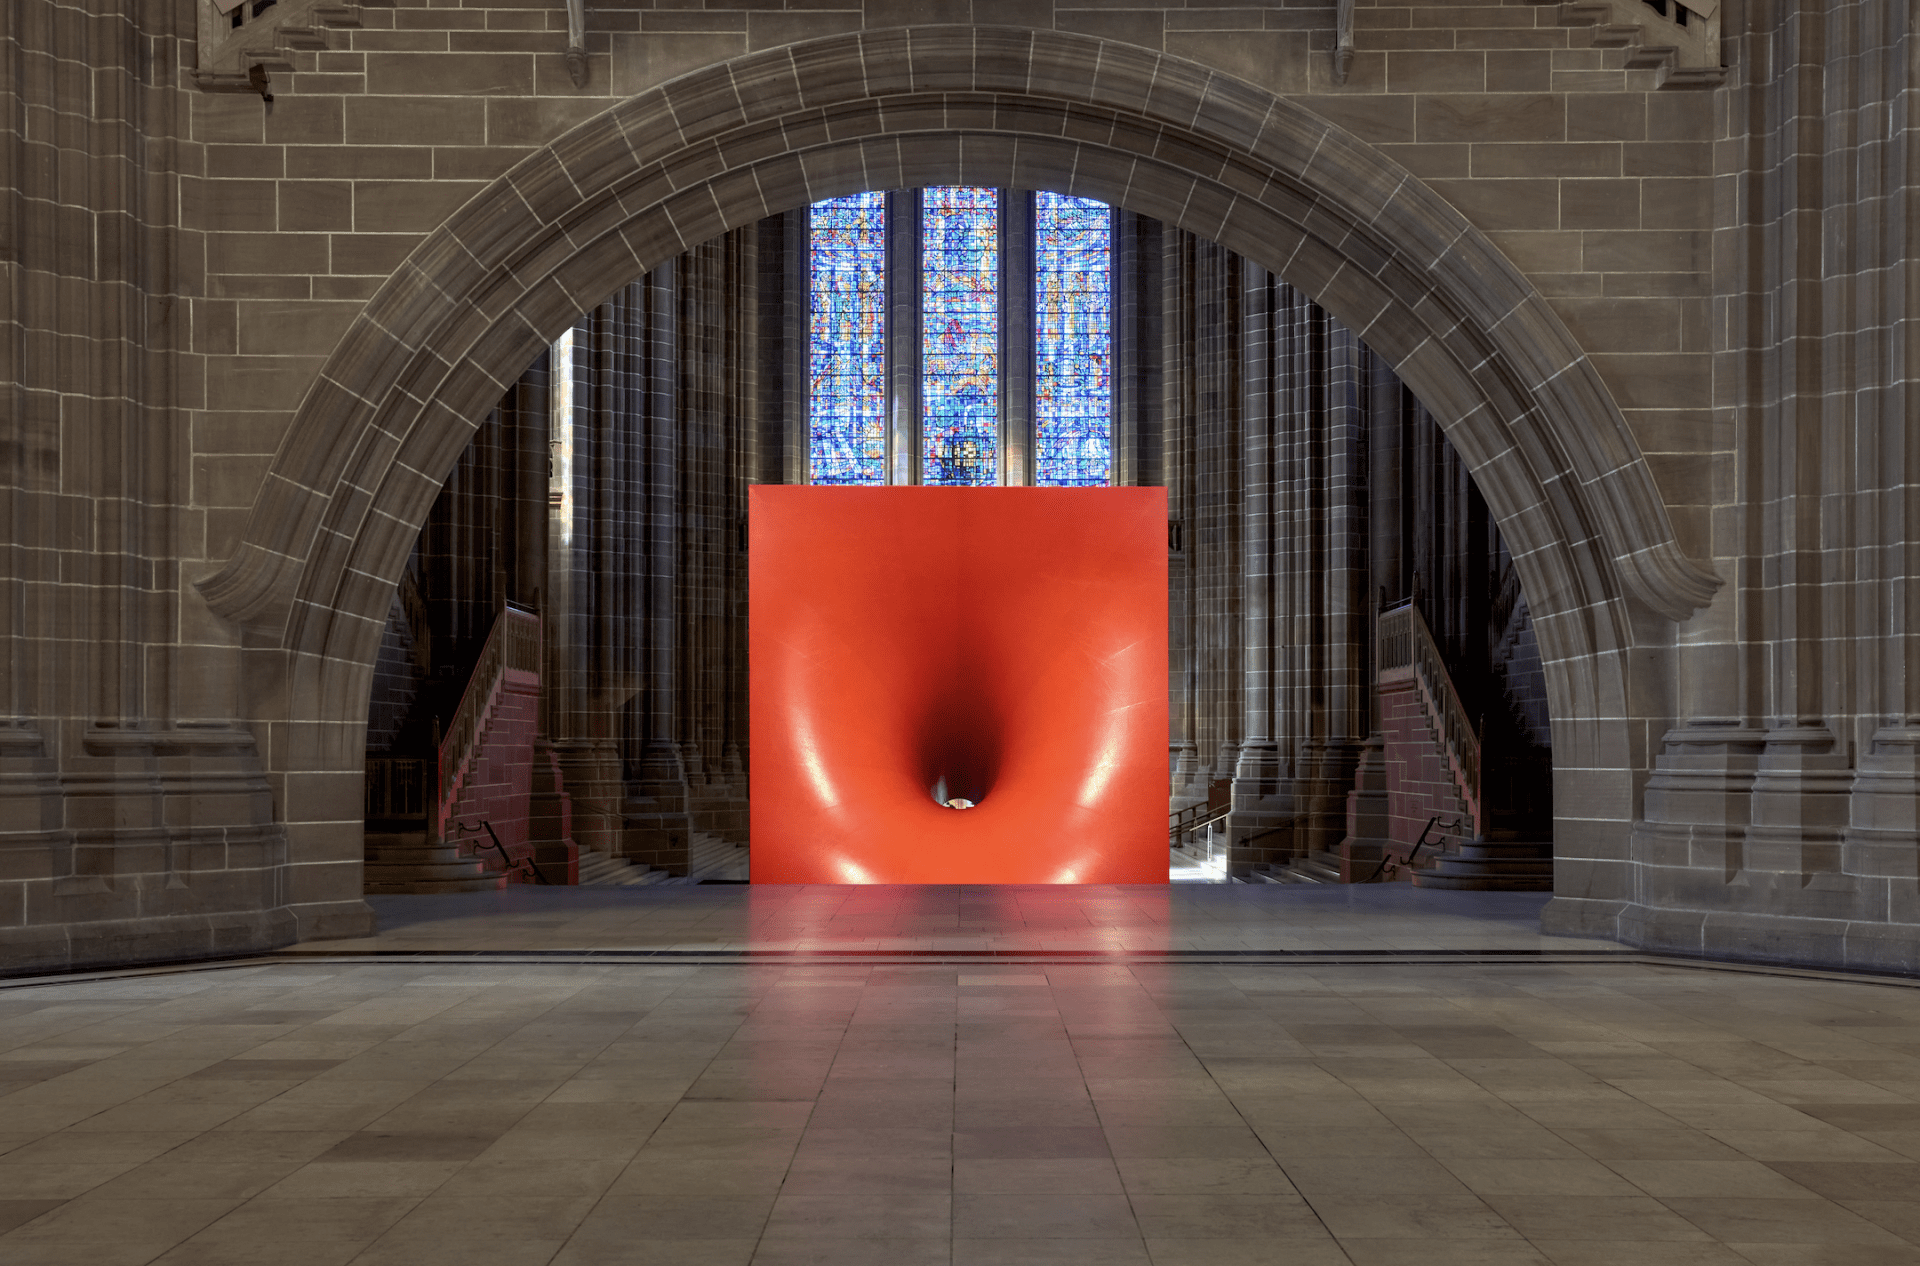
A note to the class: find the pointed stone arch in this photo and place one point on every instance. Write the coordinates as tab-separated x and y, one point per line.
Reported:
401	394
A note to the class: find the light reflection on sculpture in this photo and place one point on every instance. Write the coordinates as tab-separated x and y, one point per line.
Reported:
960	335
1072	340
846	340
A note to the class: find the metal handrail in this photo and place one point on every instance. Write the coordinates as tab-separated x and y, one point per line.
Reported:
1386	859
1217	805
1193	817
526	863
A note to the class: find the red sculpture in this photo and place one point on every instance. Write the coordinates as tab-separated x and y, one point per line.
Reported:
1005	648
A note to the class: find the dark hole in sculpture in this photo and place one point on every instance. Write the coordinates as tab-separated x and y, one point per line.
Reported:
959	746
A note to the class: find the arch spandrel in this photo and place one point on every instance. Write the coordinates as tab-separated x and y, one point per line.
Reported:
634	186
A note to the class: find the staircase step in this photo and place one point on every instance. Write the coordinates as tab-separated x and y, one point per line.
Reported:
1483	883
397	855
710	857
1506	852
404	862
380	887
1501	872
1453	866
598	870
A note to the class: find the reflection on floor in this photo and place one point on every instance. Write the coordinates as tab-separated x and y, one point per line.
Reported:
316	1111
976	918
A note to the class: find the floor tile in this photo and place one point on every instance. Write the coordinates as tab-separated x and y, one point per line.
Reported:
1040	1217
1749	1221
891	1250
1595	1218
909	1215
1125	1251
1230	1176
1250	1252
1211	1216
573	1113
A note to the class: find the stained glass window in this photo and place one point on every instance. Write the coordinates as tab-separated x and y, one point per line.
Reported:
846	343
1072	340
960	335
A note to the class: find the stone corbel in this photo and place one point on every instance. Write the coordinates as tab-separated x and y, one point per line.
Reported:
1343	41
577	42
255	78
1667	580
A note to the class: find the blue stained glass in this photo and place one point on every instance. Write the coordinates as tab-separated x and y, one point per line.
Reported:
960	335
847	340
1072	341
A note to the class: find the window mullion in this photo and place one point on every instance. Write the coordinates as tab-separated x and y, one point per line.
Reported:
903	336
1016	338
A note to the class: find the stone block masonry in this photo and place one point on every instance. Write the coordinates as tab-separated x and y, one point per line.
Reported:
243	344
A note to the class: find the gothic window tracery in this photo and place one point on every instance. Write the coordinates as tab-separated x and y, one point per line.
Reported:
1011	373
847	340
1072	341
960	335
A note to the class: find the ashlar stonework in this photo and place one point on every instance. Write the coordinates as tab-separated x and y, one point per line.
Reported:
1665	312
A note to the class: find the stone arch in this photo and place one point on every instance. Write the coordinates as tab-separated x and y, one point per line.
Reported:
398	398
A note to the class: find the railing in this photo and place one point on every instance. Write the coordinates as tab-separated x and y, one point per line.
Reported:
412	788
1391	865
514	644
415	605
1506	602
526	867
1218	804
399	788
1405	641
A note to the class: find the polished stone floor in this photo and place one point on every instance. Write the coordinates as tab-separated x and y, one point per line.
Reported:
967	1111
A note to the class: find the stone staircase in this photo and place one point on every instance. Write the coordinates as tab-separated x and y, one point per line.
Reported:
711	858
708	858
1315	868
598	870
1491	866
404	862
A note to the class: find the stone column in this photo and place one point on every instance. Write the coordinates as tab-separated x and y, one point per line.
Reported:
781	340
718	396
1875	191
1178	457
1262	806
1216	546
1334	588
1139	417
656	823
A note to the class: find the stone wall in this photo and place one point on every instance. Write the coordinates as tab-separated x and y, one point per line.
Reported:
244	343
1780	818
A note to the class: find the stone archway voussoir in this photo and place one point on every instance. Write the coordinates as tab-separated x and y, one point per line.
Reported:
1354	228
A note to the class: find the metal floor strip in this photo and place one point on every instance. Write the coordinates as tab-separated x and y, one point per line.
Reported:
1115	958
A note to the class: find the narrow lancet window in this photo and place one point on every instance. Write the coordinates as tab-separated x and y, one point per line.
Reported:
846	344
1072	341
960	335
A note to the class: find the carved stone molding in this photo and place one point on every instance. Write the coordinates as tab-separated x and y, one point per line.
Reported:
1679	40
674	166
